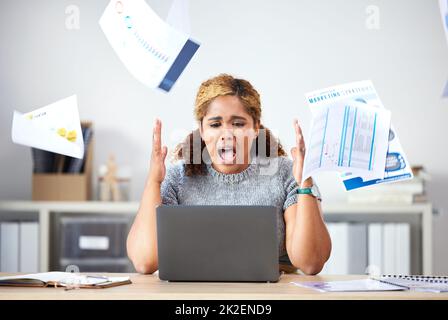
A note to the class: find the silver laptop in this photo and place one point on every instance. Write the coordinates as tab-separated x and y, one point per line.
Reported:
217	243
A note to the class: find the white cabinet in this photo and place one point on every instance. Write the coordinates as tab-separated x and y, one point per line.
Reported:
418	215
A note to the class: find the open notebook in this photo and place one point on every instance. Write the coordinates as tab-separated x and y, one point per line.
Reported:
63	279
381	283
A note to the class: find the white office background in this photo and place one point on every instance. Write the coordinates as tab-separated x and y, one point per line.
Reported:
285	48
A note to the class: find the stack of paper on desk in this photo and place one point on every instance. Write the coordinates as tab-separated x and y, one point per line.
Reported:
362	285
351	133
63	279
54	128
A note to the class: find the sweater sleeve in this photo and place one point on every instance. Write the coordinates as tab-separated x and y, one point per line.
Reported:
290	185
169	187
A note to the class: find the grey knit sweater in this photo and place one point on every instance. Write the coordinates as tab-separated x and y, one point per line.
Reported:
264	182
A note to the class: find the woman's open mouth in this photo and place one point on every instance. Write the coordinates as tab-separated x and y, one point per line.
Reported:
227	154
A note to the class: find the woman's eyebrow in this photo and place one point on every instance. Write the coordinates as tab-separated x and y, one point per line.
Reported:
237	117
214	118
219	118
231	118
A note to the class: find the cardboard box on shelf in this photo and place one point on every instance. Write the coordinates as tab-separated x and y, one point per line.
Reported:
66	186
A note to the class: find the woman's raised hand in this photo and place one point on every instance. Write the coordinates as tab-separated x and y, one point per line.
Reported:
298	153
158	154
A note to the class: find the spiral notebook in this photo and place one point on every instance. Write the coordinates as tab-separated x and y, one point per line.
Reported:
381	283
417	283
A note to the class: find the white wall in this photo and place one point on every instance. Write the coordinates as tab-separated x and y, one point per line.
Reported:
285	48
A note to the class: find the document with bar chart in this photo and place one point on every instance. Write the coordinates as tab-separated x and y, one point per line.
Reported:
351	133
347	135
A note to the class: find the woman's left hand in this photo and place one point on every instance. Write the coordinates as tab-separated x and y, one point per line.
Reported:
298	156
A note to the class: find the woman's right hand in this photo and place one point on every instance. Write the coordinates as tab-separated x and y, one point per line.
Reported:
158	154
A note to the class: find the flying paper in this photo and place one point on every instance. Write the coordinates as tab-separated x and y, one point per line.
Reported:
359	140
153	51
54	128
178	16
347	135
443	4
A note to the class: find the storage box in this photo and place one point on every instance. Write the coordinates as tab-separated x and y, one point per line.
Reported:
91	242
93	236
65	186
